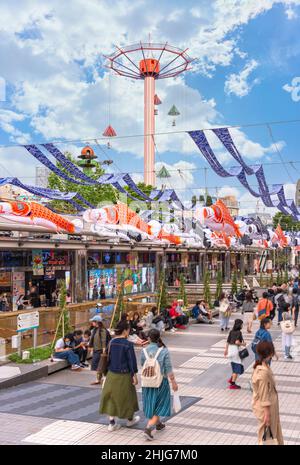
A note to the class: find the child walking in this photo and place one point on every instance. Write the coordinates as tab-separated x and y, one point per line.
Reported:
287	330
234	341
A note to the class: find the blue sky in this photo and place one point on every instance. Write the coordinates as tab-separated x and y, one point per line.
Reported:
57	88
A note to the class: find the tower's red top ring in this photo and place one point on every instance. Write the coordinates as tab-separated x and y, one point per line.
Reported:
148	59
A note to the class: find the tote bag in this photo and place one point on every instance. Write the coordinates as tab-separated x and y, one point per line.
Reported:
269	441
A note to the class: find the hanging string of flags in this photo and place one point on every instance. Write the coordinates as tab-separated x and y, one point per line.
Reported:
72	173
71	197
241	171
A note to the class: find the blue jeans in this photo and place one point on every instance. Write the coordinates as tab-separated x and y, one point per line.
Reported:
280	315
69	355
287	350
224	321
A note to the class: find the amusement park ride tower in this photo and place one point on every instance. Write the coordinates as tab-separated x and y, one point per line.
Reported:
149	61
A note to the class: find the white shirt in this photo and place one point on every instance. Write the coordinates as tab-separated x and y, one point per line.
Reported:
60	344
233	354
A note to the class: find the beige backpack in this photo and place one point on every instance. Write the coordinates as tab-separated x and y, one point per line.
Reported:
151	373
287	326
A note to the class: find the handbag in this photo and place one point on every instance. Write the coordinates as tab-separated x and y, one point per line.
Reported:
176	402
244	354
271	441
103	362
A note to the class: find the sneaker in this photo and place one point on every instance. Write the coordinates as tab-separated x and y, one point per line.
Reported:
173	330
133	422
160	426
148	435
113	427
234	386
84	365
75	367
290	357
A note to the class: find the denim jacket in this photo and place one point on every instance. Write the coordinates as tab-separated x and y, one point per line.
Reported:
122	357
163	359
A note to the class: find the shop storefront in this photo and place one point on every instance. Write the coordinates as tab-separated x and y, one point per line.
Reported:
107	268
41	269
186	263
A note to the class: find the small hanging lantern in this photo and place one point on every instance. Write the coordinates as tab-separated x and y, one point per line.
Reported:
86	157
109	132
163	173
157	101
173	112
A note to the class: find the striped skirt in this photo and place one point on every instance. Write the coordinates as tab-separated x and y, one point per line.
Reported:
157	401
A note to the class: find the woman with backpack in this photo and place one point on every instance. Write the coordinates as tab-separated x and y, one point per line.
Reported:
261	335
157	368
287	330
224	311
119	398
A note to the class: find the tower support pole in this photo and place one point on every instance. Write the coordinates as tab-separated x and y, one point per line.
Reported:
149	130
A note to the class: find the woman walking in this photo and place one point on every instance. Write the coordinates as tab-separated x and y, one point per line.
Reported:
98	343
265	403
119	398
225	311
157	400
248	304
234	341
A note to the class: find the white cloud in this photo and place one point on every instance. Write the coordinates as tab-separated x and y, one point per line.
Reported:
228	190
291	13
62	88
8	119
238	84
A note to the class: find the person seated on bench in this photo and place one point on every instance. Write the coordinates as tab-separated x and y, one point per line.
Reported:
179	318
165	313
79	347
63	351
201	314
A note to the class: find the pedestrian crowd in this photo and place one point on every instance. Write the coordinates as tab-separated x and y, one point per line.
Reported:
114	360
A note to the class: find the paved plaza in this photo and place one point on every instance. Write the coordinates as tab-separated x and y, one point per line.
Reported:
63	408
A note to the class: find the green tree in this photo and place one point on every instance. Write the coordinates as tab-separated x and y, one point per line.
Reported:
120	304
94	194
271	280
219	287
182	291
63	326
209	201
261	279
145	188
234	283
194	200
241	284
162	296
207	292
286	276
286	222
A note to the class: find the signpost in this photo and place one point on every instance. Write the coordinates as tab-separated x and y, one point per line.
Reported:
25	322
